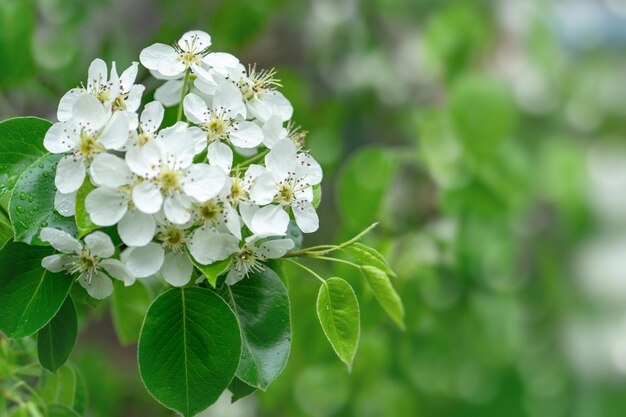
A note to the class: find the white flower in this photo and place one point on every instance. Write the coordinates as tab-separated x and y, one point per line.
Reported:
288	181
220	121
252	254
65	204
117	93
90	131
110	203
91	260
149	123
208	245
170	179
270	220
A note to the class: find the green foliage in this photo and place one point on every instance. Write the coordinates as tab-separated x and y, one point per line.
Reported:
56	339
261	305
17	21
240	389
128	309
30	295
365	255
212	271
189	349
384	292
32	202
64	388
83	221
338	313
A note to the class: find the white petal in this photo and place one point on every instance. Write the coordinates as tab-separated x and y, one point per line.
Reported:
147	197
60	240
228	98
208	245
115	133
106	206
270	221
61	137
177	269
144	161
162	58
136	228
204	79
143	261
99	244
308	169
70	174
118	271
64	112
306	216
279	105
128	77
203	181
246	134
198	137
221	61
152	117
281	161
234	276
65	204
231	218
109	170
133	101
247	212
273	249
196	109
273	131
89	112
114	83
56	262
194	41
169	93
97	74
263	189
220	155
177	208
100	286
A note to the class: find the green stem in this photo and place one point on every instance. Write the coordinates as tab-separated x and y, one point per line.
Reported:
309	270
341	261
312	251
250	161
182	95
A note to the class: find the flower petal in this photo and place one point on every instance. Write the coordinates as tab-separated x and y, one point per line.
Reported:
152	117
208	245
99	286
281	161
106	206
177	208
177	269
70	174
306	216
56	262
169	93
128	77
89	112
60	240
220	155
65	204
196	110
147	197
273	131
143	261
64	111
136	228
61	137
99	244
145	160
245	134
263	189
203	181
273	249
270	220
117	270
97	74
109	170
115	133
162	58
194	41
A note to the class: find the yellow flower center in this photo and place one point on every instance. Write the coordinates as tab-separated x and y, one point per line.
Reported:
88	145
209	211
170	180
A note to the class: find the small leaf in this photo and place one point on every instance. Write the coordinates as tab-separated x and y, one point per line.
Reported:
384	292
368	256
338	313
29	294
213	271
60	387
239	389
189	349
128	308
83	221
261	304
317	195
21	143
32	203
56	339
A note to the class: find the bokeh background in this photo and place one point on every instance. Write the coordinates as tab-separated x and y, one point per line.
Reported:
487	137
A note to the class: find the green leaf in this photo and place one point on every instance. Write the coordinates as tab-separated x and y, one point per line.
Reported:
261	304
366	255
6	230
317	195
239	389
60	387
128	308
56	339
29	294
32	203
189	349
295	234
213	271
384	292
83	221
60	410
338	313
21	143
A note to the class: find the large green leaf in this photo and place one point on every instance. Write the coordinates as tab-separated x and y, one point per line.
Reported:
29	294
61	387
261	303
384	292
338	312
368	256
189	349
21	143
6	230
83	221
32	203
128	308
56	339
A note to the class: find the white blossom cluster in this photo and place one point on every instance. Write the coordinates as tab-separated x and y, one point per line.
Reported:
174	193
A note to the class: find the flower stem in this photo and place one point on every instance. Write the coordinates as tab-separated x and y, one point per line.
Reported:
182	95
341	261
316	251
309	270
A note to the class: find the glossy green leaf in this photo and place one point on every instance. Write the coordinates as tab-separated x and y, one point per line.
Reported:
32	203
6	230
261	304
385	294
189	349
295	234
29	294
60	410
60	387
56	339
83	221
128	309
338	313
21	143
366	255
213	271
239	389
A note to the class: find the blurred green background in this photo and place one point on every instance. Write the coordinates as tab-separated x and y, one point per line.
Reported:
487	137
